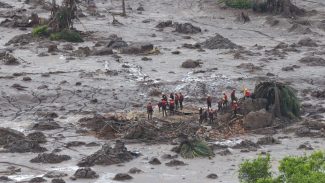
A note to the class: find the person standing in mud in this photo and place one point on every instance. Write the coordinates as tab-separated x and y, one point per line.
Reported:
200	115
171	106
247	94
220	103
164	107
209	101
171	96
225	100
233	95
234	106
181	99
149	111
176	101
211	116
164	97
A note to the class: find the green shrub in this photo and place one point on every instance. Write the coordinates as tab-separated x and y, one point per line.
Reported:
67	35
41	30
240	4
195	148
252	171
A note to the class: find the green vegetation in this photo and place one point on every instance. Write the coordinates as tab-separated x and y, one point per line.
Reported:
303	169
240	4
281	96
67	35
195	148
41	30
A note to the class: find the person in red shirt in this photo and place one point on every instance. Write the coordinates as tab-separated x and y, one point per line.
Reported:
149	111
234	107
164	107
171	106
225	99
247	94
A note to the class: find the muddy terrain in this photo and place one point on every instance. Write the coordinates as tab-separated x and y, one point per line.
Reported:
76	111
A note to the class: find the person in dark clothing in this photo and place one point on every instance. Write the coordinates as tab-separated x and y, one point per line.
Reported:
164	107
220	103
176	101
181	99
149	111
164	97
209	100
200	115
171	96
211	116
233	95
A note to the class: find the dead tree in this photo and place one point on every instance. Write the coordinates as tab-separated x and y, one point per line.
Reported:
123	8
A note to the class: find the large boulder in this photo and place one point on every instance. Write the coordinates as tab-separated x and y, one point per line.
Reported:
258	119
249	105
9	135
191	64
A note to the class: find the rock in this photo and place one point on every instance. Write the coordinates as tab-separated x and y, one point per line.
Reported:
252	105
313	61
37	179
212	176
108	156
268	140
154	92
5	179
164	24
175	162
140	8
186	28
137	48
23	146
92	144
247	144
122	177
67	47
22	39
46	125
58	181
47	115
82	52
75	144
18	86
27	78
249	66
155	161
8	59
307	42
5	5
168	156
42	87
38	137
85	173
225	152
191	64
176	52
243	17
258	119
52	48
270	74
103	51
135	170
55	174
9	135
306	146
318	94
272	21
219	42
303	132
116	42
50	158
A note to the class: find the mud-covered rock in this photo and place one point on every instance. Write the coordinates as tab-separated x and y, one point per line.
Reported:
191	64
115	42
38	137
52	48
85	173
8	59
135	170
219	42
303	132
50	158
175	162
249	66
75	144
249	105
258	119
169	156
225	152
82	52
103	51
137	48
154	161
9	135
155	92
37	179
247	144
5	179
47	115
27	78
55	174
108	155
272	21
122	177
22	39
212	176
268	140
313	61
186	28
165	24
5	5
46	125
307	42
318	94
306	146
57	181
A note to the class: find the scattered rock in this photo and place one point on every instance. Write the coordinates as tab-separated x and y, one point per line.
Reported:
137	48
85	173
27	78
191	64
140	8
306	146
9	135
116	42
155	161
225	152
249	66
8	59
307	42
247	144
268	140
50	158
122	177
52	48
258	119
154	92
37	179
303	132
175	162
55	174
38	137
23	146
219	42
58	181
82	52
67	47
22	39
313	61
192	46
135	170
168	156
108	156
165	24
176	52
186	28
103	51
212	176
75	144
46	125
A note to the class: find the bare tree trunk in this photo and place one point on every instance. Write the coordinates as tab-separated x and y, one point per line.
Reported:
123	8
277	105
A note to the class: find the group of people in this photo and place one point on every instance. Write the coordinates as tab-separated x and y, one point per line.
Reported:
175	102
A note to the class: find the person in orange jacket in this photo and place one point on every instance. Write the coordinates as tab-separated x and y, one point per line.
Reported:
225	99
247	94
171	106
234	107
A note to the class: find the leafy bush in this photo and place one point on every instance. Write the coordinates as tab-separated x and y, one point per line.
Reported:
303	169
40	31
195	148
240	4
257	169
67	35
